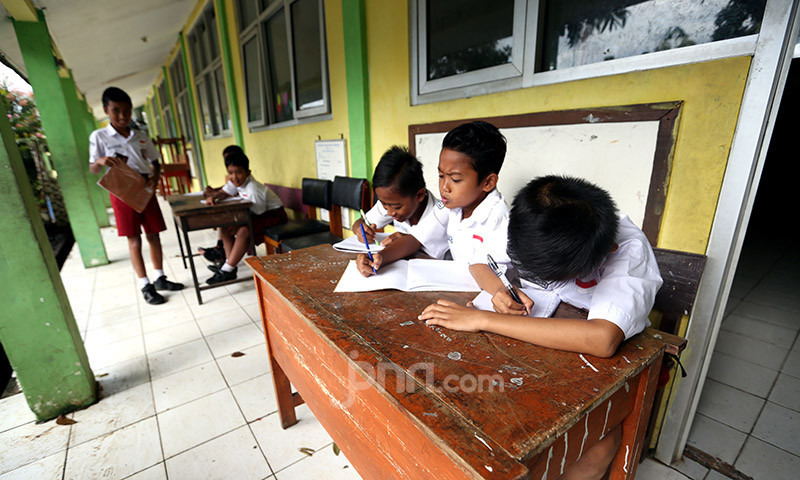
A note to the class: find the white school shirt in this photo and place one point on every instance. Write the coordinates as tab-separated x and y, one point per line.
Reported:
429	230
107	142
262	197
483	232
622	290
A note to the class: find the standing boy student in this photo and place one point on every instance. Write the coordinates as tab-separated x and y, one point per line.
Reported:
266	211
118	143
404	201
469	167
566	235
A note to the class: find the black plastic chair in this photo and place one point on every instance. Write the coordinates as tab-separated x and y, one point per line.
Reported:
348	192
316	193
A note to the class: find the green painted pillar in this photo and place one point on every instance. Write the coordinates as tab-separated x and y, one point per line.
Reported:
227	66
77	122
37	327
198	150
357	75
37	52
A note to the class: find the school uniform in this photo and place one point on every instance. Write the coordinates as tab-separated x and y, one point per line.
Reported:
267	209
484	232
429	230
622	290
141	153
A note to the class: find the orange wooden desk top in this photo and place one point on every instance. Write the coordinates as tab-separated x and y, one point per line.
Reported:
493	405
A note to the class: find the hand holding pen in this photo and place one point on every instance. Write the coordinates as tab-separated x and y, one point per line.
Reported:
521	303
368	233
369	254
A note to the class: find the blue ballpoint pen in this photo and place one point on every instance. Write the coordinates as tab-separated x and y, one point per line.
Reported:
364	235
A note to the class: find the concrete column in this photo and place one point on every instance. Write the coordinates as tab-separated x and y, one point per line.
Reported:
40	64
37	327
78	124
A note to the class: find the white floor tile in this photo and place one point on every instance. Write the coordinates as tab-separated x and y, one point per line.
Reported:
779	426
222	321
730	406
48	468
215	302
187	385
14	411
770	314
112	413
156	472
113	298
171	360
741	374
651	469
752	350
102	356
234	455
792	365
113	333
786	392
256	397
112	317
171	336
282	447
198	421
19	450
122	376
172	314
324	464
253	363
688	467
766	332
117	454
763	461
235	340
716	438
254	311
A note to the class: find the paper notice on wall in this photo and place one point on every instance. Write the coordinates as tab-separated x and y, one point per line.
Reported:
332	161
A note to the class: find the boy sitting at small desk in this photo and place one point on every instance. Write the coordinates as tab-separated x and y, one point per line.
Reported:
403	200
266	211
216	254
565	235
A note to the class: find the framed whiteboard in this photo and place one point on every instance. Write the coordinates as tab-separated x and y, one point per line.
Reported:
626	150
331	159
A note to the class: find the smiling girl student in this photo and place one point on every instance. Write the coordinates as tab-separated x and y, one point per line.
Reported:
404	201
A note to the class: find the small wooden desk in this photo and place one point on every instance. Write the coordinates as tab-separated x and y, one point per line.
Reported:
407	400
189	214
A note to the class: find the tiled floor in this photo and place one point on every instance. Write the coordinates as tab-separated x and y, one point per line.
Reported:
176	404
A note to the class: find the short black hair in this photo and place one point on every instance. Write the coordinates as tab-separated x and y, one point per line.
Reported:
482	142
399	169
114	94
237	159
560	227
232	149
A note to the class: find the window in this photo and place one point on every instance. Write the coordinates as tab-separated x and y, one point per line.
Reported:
180	87
166	110
157	125
284	60
469	47
203	45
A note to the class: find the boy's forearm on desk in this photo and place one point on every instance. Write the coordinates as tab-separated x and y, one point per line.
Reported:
404	247
485	278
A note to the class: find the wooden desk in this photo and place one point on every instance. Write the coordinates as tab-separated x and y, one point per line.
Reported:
407	400
189	214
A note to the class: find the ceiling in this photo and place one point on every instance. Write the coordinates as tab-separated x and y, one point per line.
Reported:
122	43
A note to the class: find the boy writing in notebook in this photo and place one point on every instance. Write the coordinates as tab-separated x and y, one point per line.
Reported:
216	254
118	143
404	201
565	235
469	167
266	211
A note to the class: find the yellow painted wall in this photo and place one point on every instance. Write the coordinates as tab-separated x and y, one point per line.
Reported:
711	93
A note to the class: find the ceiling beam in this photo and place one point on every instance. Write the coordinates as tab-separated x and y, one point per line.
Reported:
21	10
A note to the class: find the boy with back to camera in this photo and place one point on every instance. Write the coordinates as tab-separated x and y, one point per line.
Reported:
565	235
118	143
266	211
469	166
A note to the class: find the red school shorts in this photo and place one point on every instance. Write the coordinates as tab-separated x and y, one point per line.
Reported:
270	218
130	222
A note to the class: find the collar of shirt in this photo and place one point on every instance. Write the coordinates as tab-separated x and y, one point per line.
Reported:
483	210
113	131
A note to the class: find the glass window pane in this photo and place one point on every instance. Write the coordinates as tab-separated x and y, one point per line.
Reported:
184	114
224	117
252	80
169	123
467	35
195	54
279	70
203	98
163	95
213	50
307	54
247	13
577	32
264	4
203	46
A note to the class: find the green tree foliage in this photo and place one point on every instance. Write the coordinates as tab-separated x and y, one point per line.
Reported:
20	108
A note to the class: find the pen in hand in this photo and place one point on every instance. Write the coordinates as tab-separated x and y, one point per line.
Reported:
364	234
363	221
505	281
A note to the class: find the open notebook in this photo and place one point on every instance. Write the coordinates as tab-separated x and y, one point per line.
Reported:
545	302
354	245
415	275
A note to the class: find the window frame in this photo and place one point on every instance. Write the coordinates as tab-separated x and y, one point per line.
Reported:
257	29
180	89
206	56
529	77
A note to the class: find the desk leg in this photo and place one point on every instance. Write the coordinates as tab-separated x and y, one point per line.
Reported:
180	242
191	263
634	425
252	234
